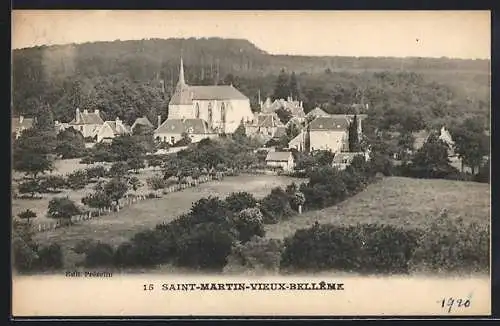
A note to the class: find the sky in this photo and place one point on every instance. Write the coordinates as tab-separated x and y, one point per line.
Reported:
454	34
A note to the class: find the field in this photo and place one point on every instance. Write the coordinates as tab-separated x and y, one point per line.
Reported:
120	226
399	201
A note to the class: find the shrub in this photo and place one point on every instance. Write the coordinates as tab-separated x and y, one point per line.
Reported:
452	245
96	172
363	248
27	215
99	255
30	187
53	183
256	254
238	201
50	257
118	170
249	223
77	179
206	246
275	206
156	182
24	249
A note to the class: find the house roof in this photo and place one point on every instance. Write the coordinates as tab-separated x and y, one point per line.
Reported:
317	112
278	156
349	156
178	126
268	120
118	128
25	124
185	94
330	123
89	118
142	121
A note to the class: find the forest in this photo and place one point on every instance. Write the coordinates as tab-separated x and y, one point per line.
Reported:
129	79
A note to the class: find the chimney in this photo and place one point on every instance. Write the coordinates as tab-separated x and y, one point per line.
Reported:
21	119
159	121
77	115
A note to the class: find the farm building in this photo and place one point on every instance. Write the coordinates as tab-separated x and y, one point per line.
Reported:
281	159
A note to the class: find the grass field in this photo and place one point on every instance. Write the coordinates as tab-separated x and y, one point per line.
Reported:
121	226
399	201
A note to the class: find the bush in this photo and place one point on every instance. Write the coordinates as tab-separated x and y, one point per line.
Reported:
50	257
276	206
52	183
96	172
24	248
363	248
77	180
156	182
30	187
452	245
257	254
206	246
249	223
62	209
27	215
238	201
99	255
118	170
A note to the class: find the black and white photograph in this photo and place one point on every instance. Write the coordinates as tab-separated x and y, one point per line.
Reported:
250	162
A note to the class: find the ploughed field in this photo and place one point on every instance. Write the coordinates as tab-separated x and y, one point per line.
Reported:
398	201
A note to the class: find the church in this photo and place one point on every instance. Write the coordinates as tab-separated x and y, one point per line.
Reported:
220	108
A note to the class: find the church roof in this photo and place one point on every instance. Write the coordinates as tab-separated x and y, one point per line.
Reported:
179	126
330	123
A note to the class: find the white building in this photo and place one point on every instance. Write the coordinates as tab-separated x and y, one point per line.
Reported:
284	160
112	129
222	107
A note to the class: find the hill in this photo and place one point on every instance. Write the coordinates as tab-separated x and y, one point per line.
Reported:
125	77
399	201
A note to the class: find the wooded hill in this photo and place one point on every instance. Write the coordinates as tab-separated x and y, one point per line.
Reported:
125	78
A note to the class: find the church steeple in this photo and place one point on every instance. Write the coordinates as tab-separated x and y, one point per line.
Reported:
181	74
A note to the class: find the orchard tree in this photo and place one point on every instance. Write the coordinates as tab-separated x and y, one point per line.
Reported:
27	215
70	144
136	163
53	183
119	170
32	152
238	201
63	209
30	187
135	183
115	189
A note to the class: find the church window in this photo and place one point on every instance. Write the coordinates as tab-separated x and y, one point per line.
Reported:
223	113
197	113
210	113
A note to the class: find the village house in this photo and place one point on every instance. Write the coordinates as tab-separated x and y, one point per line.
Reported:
88	123
293	106
343	159
172	130
142	121
284	160
329	133
267	125
112	129
315	113
222	107
20	124
422	136
299	142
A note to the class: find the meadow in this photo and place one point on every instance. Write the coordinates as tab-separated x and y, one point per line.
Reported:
398	201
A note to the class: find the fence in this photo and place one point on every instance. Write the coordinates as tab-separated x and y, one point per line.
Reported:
127	201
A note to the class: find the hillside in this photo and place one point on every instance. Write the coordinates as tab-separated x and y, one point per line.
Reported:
123	77
398	201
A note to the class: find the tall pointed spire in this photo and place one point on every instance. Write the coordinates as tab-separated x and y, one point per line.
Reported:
181	74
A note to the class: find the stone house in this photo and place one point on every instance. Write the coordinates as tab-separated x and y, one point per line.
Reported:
329	133
20	124
284	160
112	129
172	130
88	123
